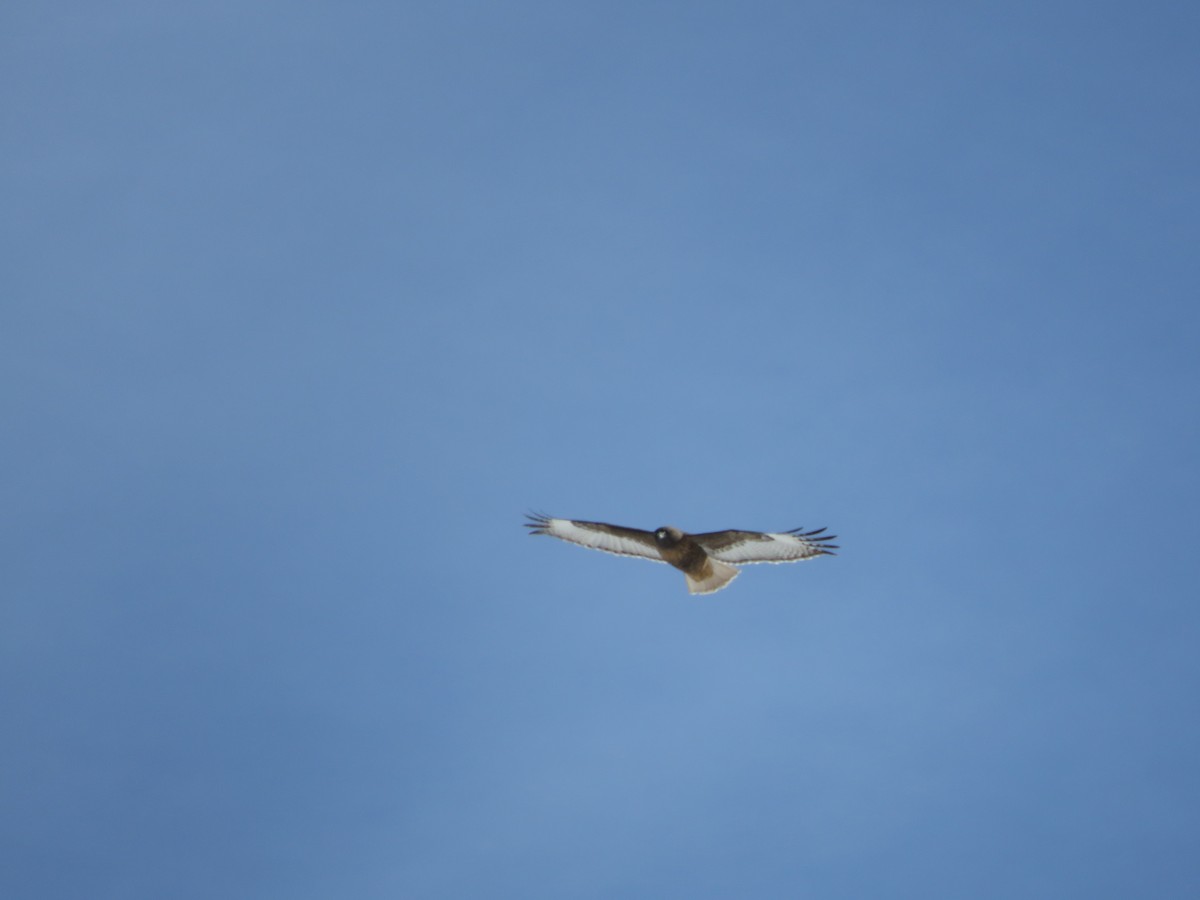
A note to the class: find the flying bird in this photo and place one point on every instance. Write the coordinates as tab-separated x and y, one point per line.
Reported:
704	558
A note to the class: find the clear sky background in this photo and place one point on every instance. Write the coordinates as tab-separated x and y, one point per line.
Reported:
304	304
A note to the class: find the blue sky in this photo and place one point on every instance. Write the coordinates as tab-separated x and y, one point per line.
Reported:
306	304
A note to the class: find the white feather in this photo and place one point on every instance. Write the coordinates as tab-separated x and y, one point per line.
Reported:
780	548
600	540
718	577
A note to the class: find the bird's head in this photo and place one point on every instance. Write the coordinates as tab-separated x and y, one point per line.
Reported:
668	536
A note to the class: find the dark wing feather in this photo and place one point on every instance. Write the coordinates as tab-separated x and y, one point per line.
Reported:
597	536
742	547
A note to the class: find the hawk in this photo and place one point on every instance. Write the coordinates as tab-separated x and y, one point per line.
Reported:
704	559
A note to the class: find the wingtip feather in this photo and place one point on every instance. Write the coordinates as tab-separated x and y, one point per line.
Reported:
539	523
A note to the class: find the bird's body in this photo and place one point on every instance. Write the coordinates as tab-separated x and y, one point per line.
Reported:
705	559
704	574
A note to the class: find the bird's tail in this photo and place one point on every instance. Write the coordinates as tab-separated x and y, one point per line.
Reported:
714	576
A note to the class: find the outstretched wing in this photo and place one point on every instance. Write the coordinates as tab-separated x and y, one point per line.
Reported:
756	546
597	536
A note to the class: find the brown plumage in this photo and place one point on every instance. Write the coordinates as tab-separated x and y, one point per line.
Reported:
705	559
